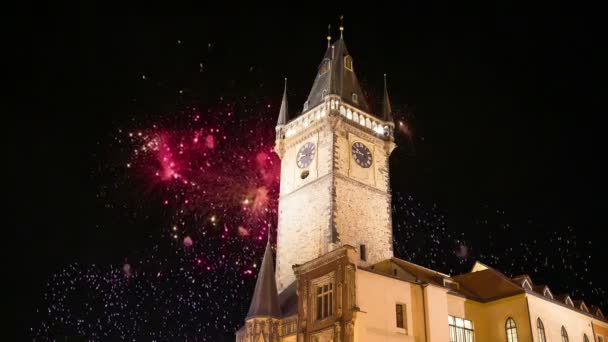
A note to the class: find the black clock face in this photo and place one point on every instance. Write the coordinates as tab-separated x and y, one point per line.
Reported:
362	155
305	155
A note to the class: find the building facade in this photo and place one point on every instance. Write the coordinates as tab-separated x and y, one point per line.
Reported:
336	277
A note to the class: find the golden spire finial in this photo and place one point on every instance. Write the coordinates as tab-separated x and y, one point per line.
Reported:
341	26
328	35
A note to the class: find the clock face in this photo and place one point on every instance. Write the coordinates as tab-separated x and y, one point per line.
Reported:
362	155
305	155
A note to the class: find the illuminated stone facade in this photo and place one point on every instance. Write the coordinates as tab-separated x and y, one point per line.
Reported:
336	277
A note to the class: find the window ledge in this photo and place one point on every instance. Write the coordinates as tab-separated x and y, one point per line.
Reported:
401	331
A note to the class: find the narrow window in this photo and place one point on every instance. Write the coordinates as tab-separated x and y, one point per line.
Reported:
348	63
400	316
362	252
324	93
564	334
511	330
325	300
541	331
306	105
394	271
355	98
585	338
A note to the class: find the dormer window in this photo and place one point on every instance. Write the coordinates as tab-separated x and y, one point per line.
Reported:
324	67
355	98
306	105
348	63
547	293
569	301
324	93
526	285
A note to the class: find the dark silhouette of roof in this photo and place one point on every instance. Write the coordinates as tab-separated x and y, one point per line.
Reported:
284	111
265	301
387	111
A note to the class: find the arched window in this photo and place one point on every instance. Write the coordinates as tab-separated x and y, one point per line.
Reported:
348	63
564	334
511	330
585	338
541	331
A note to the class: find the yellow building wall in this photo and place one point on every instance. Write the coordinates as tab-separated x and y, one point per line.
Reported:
600	329
554	316
489	319
436	313
377	296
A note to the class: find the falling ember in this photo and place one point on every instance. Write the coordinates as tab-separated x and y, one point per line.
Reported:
243	231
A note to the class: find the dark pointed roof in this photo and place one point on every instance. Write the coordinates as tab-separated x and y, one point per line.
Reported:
265	301
335	79
283	112
387	112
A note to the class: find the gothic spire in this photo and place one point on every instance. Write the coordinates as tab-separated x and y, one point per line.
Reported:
265	301
283	112
387	112
336	76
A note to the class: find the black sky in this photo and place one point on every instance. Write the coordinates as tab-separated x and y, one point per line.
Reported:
507	102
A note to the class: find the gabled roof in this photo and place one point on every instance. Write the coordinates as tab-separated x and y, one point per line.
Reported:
333	78
580	304
543	290
488	284
564	298
421	273
265	301
596	311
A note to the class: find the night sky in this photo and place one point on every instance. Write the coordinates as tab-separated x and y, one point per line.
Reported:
148	183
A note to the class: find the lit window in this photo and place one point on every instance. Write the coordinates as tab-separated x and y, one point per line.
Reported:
324	292
355	98
541	331
511	330
400	316
362	252
461	330
348	63
306	105
564	334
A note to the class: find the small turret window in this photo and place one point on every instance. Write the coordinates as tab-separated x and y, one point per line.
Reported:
324	67
355	98
348	63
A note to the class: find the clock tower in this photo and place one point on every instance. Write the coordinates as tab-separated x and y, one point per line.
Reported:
335	187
